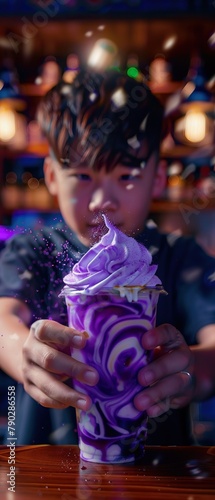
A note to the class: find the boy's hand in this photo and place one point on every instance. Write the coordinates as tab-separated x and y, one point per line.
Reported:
47	363
167	379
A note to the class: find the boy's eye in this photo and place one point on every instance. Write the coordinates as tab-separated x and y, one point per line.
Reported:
83	177
80	176
129	177
126	177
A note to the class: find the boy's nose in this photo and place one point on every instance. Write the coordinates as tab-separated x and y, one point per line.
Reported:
103	199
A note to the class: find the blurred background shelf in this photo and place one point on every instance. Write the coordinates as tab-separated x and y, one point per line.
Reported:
33	33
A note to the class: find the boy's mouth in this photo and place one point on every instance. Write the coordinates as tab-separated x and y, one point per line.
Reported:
98	229
101	224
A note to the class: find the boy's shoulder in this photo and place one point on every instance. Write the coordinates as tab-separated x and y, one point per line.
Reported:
174	249
158	242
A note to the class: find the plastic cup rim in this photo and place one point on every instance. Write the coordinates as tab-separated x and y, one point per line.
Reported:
71	289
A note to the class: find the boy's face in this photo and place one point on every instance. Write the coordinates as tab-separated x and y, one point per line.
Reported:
124	195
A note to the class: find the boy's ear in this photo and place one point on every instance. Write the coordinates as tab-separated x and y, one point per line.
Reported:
160	179
50	175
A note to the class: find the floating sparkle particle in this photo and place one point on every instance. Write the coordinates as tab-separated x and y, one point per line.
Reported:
119	97
133	142
26	275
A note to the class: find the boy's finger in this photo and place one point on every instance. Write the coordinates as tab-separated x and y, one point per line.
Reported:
57	362
167	364
52	393
164	335
48	331
159	395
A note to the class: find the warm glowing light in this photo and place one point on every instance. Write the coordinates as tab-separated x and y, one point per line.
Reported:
119	97
174	180
195	126
33	183
72	61
188	89
26	176
38	80
169	43
7	124
159	70
211	82
50	73
211	40
175	168
11	178
103	54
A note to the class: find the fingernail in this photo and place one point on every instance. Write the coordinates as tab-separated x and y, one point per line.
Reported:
154	411
148	376
150	342
142	403
81	404
77	340
91	377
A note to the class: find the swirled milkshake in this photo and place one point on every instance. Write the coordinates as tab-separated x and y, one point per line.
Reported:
112	294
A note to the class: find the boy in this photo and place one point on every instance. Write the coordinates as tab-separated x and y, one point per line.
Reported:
104	132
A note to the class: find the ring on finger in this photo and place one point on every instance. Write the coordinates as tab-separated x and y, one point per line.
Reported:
191	379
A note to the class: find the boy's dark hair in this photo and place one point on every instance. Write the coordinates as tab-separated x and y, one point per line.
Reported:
101	120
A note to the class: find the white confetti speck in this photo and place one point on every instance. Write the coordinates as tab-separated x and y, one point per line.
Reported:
153	250
151	224
192	274
211	278
22	251
143	123
155	461
173	237
119	97
26	275
92	96
133	142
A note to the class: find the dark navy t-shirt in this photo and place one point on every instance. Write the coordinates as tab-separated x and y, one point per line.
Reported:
32	267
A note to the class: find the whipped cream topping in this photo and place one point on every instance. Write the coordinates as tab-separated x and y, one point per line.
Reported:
117	260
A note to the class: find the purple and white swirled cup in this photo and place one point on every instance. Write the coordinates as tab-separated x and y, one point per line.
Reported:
113	430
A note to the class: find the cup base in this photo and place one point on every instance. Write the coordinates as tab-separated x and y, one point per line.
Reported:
113	455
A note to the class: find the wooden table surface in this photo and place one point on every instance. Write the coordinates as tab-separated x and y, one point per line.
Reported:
56	472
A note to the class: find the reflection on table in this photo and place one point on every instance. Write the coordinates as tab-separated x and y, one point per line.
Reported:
56	472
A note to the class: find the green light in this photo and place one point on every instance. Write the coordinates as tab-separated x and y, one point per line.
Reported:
132	72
